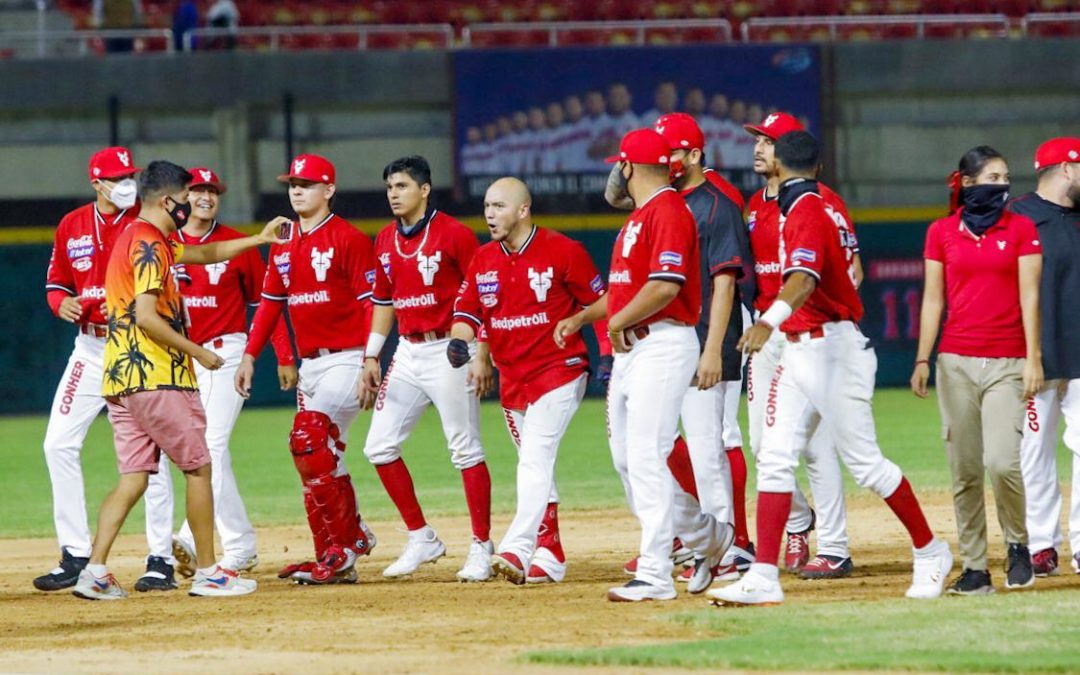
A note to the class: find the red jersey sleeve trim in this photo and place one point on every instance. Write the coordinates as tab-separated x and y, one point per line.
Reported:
668	276
381	301
59	287
275	298
468	317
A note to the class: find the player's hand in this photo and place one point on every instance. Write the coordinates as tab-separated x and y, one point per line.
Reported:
566	328
271	232
287	376
71	309
370	381
1033	377
245	374
603	369
754	339
709	368
919	379
481	376
208	359
619	345
457	352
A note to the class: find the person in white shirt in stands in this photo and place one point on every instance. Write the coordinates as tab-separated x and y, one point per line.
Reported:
575	148
741	155
623	119
518	143
599	123
503	146
551	157
475	153
724	130
538	137
665	100
491	141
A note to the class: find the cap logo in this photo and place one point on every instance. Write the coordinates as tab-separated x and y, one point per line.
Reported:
1074	155
326	179
124	158
663	159
298	165
97	171
771	119
206	176
659	129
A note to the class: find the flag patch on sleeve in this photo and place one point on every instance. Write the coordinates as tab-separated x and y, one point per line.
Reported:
597	284
803	255
670	258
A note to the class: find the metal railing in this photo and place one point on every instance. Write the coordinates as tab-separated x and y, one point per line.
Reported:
553	29
1046	18
920	22
274	35
82	42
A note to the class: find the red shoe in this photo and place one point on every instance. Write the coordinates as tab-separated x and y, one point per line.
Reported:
538	576
797	551
509	567
827	567
679	555
1045	562
290	570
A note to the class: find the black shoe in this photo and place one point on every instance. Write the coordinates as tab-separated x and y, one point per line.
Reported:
1018	570
971	582
159	576
64	576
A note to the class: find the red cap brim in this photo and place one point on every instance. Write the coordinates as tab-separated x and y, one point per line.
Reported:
757	131
125	172
220	187
613	159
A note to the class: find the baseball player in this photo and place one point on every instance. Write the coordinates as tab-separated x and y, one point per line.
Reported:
653	303
75	289
517	287
423	255
149	379
826	375
1054	206
826	482
324	273
216	297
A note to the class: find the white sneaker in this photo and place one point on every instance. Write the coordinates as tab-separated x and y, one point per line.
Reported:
705	567
637	590
931	567
221	582
545	567
478	563
751	589
242	564
90	587
184	553
423	547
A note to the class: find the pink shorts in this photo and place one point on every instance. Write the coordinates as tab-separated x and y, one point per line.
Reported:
147	422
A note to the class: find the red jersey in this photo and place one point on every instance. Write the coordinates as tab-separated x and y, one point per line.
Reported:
658	241
325	276
81	247
419	275
518	297
763	220
982	287
729	190
809	243
216	295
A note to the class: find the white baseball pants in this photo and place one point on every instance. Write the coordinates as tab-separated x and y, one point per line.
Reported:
418	376
1038	463
732	434
222	405
77	402
330	384
645	396
702	421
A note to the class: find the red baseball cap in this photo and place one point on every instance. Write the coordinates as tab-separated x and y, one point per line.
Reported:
1057	151
775	125
642	146
203	176
314	168
112	163
681	131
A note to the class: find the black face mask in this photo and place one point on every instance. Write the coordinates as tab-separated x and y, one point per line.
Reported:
983	206
624	183
180	213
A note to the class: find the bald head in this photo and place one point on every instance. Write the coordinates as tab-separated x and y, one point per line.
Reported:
511	191
508	211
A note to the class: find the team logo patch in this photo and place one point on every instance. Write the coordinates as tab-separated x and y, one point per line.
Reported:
670	258
597	284
428	265
540	282
215	270
320	262
489	299
370	276
803	255
384	260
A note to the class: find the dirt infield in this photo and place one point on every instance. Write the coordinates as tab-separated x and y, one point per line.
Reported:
430	623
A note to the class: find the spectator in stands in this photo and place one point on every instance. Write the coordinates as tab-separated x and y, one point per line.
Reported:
665	100
118	15
185	19
224	14
551	159
575	150
740	154
504	146
599	125
721	130
694	103
472	154
491	140
620	119
983	265
518	143
537	139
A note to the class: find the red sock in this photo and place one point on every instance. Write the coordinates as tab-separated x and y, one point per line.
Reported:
773	509
396	479
906	506
738	495
679	464
548	534
477	482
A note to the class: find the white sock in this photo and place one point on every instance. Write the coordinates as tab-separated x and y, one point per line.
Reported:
98	571
927	550
770	572
208	571
425	533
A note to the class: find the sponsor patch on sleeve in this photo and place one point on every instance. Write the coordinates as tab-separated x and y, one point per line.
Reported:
597	284
803	255
370	276
670	258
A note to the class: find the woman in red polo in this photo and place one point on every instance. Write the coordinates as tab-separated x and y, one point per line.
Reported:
983	265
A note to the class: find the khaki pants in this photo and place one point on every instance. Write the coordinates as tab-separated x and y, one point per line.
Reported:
982	414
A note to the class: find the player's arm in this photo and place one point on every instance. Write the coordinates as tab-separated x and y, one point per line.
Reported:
267	316
1030	273
655	295
60	292
710	364
572	324
382	320
856	263
253	273
724	248
933	305
159	330
481	372
218	251
798	287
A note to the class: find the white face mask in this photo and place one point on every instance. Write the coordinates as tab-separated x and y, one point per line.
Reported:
124	193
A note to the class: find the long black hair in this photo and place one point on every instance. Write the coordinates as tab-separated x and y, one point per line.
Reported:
971	164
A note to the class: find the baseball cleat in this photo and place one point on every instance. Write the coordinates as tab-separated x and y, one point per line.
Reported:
64	575
478	563
372	540
739	557
423	547
550	563
333	561
827	567
721	572
509	567
705	567
1018	569
159	576
185	557
931	567
538	576
679	555
637	590
303	577
90	587
1045	562
971	582
797	551
751	590
221	583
